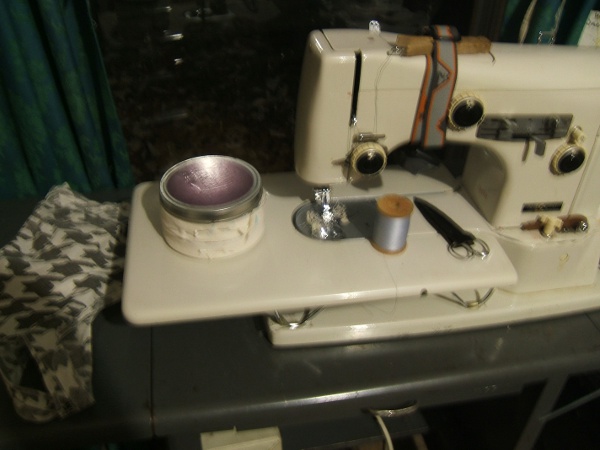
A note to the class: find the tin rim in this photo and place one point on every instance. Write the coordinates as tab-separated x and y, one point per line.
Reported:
231	208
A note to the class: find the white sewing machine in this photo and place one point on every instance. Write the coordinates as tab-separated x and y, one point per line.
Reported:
530	116
523	113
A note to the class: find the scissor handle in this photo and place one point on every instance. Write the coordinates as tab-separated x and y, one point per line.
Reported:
476	247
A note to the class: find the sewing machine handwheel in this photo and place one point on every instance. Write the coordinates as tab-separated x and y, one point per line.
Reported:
567	158
465	111
368	158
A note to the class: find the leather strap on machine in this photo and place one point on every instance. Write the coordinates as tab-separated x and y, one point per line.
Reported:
429	128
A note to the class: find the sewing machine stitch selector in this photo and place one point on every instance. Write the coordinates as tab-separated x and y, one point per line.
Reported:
570	156
368	158
466	110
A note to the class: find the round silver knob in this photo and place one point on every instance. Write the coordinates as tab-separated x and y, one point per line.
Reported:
567	158
466	110
368	158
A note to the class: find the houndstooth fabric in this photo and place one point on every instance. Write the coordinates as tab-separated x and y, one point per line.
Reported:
63	267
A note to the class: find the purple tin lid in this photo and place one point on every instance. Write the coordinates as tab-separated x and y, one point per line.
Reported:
210	188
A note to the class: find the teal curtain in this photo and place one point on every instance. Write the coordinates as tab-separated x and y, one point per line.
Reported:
58	121
571	24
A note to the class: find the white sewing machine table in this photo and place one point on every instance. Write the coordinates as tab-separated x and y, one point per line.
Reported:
289	271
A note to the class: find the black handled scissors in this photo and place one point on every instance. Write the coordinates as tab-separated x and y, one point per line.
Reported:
461	243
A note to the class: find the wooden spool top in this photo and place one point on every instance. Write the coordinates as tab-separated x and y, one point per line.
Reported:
394	205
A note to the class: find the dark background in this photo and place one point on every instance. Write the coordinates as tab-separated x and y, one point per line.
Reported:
221	76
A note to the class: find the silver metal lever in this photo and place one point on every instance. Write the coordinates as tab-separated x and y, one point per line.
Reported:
410	408
167	36
307	314
368	137
478	301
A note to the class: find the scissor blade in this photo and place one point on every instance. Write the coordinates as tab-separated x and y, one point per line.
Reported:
446	227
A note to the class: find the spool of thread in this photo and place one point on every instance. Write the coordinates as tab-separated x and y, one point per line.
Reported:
391	224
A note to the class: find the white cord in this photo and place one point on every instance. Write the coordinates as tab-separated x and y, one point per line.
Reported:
386	433
526	21
419	442
376	88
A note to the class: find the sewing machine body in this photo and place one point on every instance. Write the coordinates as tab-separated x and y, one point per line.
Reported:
541	109
535	151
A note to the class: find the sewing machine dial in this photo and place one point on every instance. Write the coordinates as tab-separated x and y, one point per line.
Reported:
466	110
570	156
567	158
368	158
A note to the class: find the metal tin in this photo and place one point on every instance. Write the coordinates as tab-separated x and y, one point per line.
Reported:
210	188
211	206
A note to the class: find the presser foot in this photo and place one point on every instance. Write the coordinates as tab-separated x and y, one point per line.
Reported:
348	219
327	224
324	217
